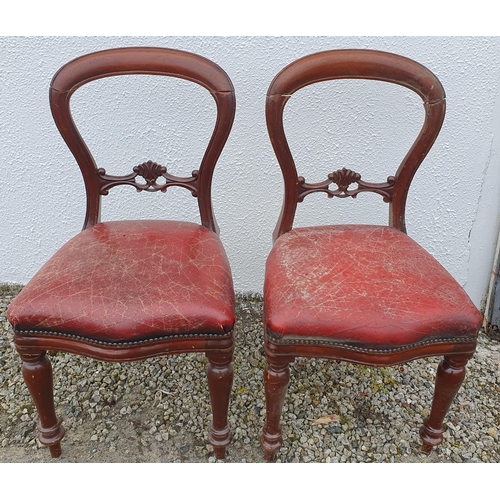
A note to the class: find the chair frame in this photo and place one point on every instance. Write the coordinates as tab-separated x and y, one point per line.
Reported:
368	65
33	345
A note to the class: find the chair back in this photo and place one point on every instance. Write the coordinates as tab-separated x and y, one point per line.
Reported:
147	61
353	64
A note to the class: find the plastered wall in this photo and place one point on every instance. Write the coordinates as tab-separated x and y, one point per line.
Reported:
453	208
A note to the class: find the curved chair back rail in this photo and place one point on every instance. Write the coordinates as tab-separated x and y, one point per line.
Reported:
147	61
353	64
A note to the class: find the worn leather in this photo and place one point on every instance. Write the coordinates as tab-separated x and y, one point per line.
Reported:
131	280
363	285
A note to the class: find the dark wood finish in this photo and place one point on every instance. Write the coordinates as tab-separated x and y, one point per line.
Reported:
354	64
37	374
276	379
146	61
150	172
450	375
220	381
32	344
280	351
344	178
279	354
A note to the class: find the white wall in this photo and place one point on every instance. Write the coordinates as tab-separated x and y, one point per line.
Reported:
453	208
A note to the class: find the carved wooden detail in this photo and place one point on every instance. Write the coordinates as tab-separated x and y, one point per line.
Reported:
150	173
37	374
220	382
276	380
344	178
449	378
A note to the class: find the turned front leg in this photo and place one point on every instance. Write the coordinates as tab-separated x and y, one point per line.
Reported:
37	373
449	378
220	382
276	379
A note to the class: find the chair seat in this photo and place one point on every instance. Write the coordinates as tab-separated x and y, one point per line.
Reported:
362	285
131	280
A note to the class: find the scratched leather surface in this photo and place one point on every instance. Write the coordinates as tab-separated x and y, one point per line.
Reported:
131	280
363	285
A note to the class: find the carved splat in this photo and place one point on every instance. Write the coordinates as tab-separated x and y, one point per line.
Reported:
344	178
150	173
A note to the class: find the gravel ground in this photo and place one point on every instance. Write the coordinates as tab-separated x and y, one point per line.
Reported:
158	410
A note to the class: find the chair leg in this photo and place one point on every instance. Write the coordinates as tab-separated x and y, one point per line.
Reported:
220	382
449	378
276	379
37	373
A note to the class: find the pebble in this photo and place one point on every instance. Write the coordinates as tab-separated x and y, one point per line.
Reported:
378	412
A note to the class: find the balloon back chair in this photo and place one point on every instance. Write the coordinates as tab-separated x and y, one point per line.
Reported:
130	290
364	294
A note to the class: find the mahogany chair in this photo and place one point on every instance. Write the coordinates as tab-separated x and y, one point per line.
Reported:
364	294
130	290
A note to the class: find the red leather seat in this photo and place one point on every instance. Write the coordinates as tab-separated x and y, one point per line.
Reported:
128	281
362	286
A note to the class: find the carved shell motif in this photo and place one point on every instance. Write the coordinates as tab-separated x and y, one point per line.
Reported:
344	178
150	171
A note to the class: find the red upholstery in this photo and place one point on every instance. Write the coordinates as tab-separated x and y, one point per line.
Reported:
363	285
131	280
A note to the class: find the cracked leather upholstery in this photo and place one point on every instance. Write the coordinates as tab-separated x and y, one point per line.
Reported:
131	280
364	285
